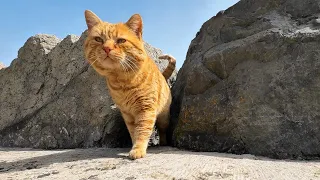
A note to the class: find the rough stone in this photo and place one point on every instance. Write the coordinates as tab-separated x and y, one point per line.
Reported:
51	98
251	82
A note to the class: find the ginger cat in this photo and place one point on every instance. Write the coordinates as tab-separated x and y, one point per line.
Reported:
136	85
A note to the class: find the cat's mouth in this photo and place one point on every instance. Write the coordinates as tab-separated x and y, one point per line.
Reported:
112	58
107	58
108	61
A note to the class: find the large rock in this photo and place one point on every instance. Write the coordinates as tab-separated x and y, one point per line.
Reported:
51	98
251	82
2	65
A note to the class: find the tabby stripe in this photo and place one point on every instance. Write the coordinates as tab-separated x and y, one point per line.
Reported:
134	44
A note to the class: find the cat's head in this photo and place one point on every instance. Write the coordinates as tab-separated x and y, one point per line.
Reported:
114	47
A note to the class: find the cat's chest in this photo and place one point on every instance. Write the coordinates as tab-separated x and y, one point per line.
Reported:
119	93
123	100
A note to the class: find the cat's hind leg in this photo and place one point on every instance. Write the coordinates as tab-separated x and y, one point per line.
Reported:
162	124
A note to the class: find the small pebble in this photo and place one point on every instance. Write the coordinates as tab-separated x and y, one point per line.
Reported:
316	22
55	172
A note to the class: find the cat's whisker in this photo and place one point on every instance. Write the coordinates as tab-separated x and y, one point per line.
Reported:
133	69
123	66
93	62
133	65
132	61
127	67
127	63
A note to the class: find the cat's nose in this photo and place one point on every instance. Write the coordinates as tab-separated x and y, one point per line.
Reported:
107	50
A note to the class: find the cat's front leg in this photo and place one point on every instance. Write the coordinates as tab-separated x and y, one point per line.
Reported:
129	120
144	127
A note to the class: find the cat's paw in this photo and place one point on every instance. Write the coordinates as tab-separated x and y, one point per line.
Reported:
137	153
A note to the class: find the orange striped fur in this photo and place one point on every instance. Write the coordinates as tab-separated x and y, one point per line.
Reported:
136	85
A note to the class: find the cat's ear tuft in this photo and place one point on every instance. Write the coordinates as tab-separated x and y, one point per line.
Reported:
135	24
91	19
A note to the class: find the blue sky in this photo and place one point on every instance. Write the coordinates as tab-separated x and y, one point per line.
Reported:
168	24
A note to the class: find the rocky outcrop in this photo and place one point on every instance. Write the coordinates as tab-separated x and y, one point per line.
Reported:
2	65
51	98
251	82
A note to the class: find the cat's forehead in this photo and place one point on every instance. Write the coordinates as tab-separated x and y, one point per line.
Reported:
101	29
108	30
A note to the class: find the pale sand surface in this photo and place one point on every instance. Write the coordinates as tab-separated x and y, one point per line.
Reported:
160	163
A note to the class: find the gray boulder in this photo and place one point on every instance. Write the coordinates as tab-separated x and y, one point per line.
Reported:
251	82
51	98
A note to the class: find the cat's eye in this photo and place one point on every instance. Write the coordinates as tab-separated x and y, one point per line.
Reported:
98	39
121	40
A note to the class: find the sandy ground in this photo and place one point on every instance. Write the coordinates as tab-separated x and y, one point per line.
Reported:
160	163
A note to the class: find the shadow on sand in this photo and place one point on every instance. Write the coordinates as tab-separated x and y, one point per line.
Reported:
70	155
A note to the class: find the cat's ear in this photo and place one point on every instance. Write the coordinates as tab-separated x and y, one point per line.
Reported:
135	24
91	19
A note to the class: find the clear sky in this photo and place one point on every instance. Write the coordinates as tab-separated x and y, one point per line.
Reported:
168	24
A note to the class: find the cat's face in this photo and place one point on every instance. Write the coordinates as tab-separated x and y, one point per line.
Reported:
114	47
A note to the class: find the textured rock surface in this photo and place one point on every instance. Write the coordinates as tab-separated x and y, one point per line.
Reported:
51	98
251	82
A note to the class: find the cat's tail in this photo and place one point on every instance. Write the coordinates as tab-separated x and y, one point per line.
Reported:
171	65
